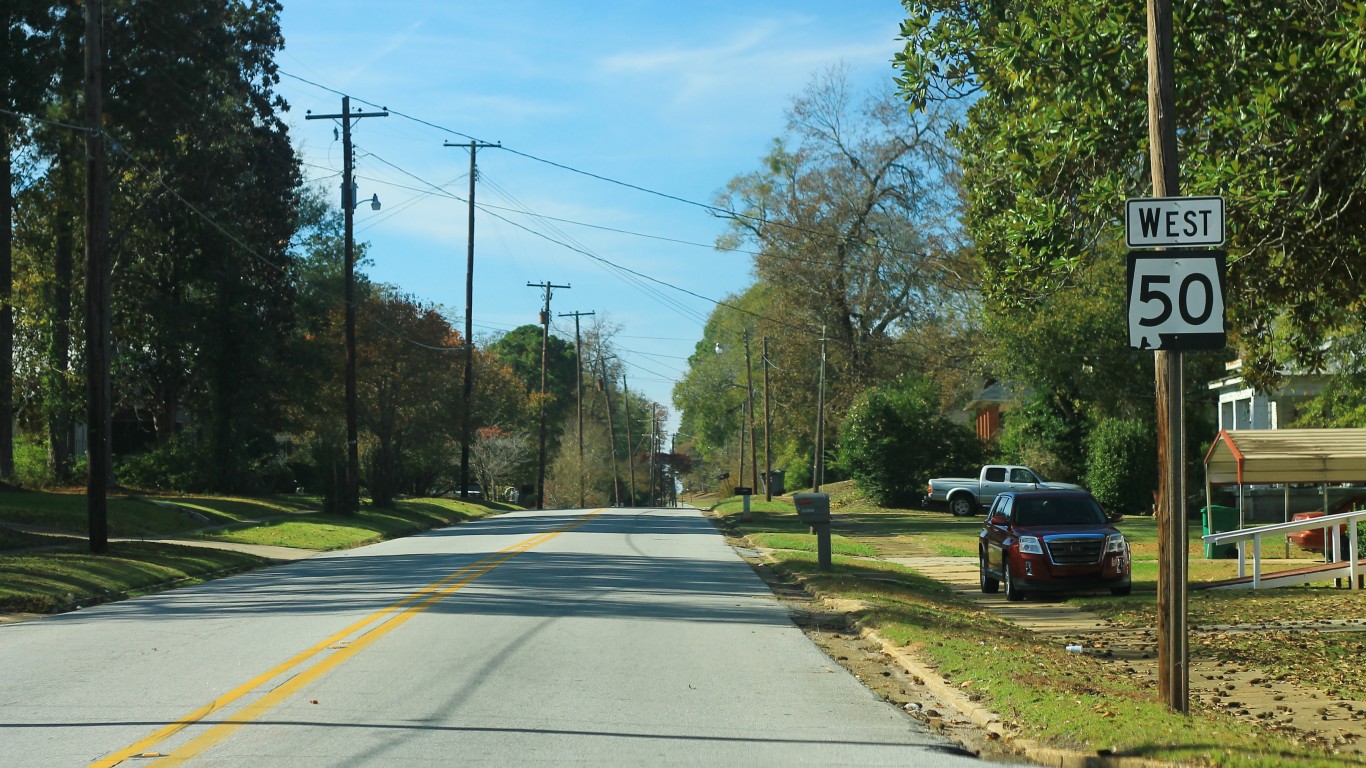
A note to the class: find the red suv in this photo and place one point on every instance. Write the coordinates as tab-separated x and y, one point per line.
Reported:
1051	540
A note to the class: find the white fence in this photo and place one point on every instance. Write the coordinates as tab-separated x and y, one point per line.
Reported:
1332	545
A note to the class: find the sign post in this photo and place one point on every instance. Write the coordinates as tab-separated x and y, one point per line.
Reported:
1177	301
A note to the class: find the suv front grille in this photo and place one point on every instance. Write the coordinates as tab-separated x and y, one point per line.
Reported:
1075	551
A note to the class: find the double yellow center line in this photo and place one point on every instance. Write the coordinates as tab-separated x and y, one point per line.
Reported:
388	618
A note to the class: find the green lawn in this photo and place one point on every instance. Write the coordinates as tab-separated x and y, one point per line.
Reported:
45	573
47	582
134	515
371	524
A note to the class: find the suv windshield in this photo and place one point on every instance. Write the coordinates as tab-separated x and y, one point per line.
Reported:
1057	511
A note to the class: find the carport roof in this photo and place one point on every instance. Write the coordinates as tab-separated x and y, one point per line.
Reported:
1287	456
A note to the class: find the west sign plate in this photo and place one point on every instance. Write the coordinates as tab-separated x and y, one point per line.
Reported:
1176	300
1174	222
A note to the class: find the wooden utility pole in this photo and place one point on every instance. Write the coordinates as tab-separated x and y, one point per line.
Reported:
768	427
611	430
351	502
654	449
1173	680
578	391
749	385
467	401
818	473
548	287
97	290
630	447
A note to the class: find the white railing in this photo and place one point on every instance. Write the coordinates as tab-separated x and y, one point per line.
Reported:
1332	541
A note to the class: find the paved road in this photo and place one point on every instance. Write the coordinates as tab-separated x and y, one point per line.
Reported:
607	637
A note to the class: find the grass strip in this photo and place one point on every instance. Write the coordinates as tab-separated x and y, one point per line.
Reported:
49	582
1071	700
144	515
1049	695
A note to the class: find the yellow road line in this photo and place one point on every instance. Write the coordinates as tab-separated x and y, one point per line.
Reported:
415	604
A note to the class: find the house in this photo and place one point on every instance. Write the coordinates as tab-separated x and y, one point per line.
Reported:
1242	407
989	407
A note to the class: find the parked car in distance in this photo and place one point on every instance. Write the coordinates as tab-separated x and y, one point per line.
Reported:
1054	540
969	496
1312	539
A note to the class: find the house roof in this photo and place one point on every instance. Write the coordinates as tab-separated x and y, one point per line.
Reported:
992	393
1287	456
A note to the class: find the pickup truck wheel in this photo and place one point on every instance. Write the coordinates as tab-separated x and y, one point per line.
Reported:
989	584
962	505
1013	592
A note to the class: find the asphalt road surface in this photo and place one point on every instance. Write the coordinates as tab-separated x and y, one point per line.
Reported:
593	637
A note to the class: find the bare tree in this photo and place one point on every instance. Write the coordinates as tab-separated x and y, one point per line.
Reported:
495	455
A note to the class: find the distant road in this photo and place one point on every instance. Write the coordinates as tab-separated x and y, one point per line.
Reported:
591	637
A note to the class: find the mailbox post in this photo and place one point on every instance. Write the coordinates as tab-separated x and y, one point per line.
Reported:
814	510
744	493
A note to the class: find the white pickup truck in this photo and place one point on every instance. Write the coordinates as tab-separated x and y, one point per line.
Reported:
969	496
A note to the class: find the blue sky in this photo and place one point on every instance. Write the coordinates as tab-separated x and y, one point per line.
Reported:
672	97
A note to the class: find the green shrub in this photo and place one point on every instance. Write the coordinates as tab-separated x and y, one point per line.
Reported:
1036	435
179	465
1121	464
895	438
31	469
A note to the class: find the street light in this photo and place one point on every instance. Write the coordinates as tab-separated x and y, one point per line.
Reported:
374	199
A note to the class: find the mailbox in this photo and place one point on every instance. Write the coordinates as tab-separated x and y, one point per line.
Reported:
812	508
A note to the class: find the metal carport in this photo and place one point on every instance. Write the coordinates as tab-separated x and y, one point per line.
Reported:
1250	457
1244	457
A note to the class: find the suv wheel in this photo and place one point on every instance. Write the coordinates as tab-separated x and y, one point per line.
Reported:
1013	592
962	505
989	584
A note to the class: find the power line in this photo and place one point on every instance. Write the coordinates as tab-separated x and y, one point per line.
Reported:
713	209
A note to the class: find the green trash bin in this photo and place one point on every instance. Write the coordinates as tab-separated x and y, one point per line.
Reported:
1217	519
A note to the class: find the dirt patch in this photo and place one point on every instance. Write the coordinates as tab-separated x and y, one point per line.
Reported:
1241	690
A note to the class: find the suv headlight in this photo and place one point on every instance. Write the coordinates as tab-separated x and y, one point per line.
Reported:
1114	543
1030	545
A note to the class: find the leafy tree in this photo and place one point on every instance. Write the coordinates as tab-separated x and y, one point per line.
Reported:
408	377
1121	464
520	350
1343	401
203	290
1269	99
851	217
1039	434
895	438
25	65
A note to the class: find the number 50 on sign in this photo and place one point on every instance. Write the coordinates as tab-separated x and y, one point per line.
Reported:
1176	300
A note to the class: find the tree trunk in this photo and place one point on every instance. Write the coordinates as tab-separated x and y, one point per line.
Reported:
61	426
6	309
